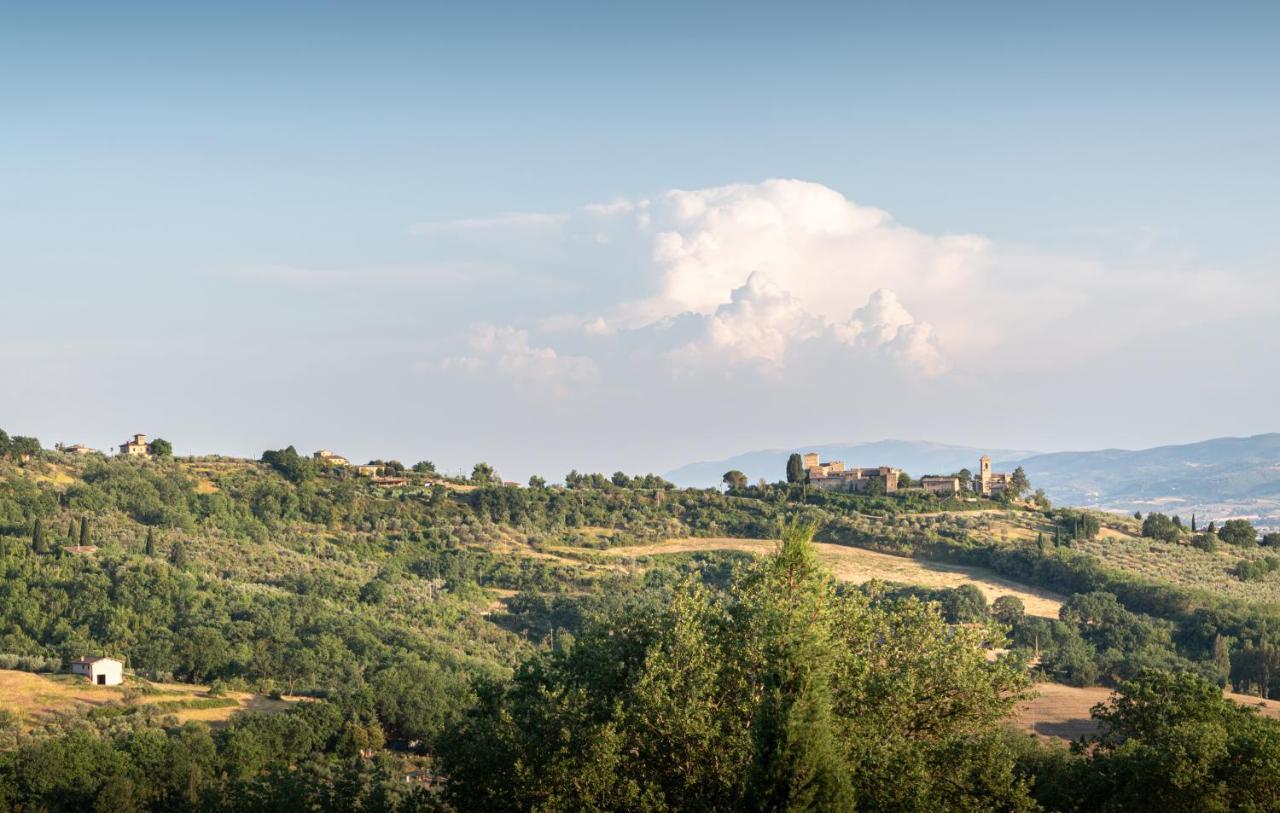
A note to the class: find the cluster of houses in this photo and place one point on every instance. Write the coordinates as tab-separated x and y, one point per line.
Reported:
378	473
137	447
834	476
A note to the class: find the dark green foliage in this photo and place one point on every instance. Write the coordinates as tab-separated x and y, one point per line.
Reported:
1255	570
1169	741
291	465
85	538
1072	525
795	469
38	543
150	547
178	555
160	448
1205	542
1159	526
1271	540
1238	532
763	700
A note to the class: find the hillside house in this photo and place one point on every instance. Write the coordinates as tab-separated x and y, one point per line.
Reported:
99	671
833	476
332	458
138	447
369	470
941	486
79	449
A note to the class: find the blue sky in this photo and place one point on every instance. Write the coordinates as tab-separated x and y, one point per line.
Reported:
269	223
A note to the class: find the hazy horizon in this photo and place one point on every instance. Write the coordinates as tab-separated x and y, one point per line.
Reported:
604	238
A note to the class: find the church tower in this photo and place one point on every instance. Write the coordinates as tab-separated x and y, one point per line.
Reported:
984	476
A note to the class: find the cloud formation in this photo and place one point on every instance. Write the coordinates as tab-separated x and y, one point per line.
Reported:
825	250
761	323
505	352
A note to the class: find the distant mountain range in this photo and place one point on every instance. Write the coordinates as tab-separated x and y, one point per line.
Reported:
1223	477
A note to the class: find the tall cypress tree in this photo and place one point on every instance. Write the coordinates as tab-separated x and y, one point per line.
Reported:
84	531
797	764
151	542
795	469
38	543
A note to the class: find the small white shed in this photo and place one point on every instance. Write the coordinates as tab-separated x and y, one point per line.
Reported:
99	671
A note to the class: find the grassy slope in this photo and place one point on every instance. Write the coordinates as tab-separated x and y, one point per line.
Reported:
1062	712
857	565
37	699
1121	546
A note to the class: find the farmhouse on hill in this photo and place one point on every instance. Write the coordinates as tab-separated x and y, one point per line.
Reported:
137	447
99	671
332	458
942	486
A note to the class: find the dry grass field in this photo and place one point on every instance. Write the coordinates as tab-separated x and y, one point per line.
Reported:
34	699
857	565
1062	712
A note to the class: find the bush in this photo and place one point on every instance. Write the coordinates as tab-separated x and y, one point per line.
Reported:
30	663
1159	526
1255	570
1205	542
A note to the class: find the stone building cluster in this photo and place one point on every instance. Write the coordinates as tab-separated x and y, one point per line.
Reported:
834	476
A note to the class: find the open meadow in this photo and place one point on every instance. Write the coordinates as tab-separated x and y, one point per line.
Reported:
36	700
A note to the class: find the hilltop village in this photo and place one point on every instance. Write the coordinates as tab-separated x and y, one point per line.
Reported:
834	476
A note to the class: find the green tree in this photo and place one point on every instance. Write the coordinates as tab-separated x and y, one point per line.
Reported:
734	480
795	469
38	543
1221	659
424	467
1159	526
85	538
150	548
784	694
1008	609
797	764
537	482
1170	741
160	448
23	447
1018	483
1239	532
483	474
178	555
